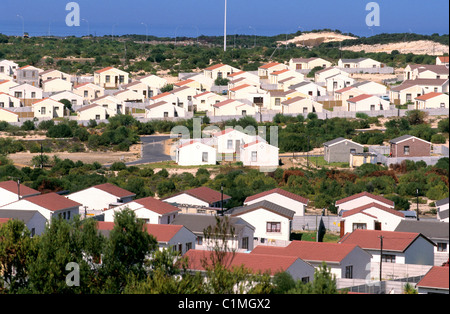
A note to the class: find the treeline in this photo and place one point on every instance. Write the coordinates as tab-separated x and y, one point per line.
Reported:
73	257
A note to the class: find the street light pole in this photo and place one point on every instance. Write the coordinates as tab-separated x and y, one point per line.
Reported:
225	29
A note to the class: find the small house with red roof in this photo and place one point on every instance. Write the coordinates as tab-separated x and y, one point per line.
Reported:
195	153
442	60
111	78
149	209
48	108
360	199
8	115
11	191
268	68
101	197
204	101
256	263
220	71
201	196
436	280
162	110
232	107
175	237
395	247
49	205
366	102
28	74
89	91
281	197
260	154
372	216
344	260
9	101
432	100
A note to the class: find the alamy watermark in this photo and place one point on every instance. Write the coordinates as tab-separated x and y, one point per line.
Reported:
73	278
73	17
373	18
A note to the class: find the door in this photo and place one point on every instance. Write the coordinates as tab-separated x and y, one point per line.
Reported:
377	225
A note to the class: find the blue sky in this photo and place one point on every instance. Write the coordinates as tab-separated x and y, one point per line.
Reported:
189	17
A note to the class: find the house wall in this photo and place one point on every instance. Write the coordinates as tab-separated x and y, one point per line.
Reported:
417	148
360	260
434	102
360	201
114	81
183	237
96	113
340	152
29	76
301	269
26	205
366	104
296	206
160	111
420	252
267	155
37	224
192	155
7	116
53	109
58	85
186	199
389	222
258	218
8	101
94	199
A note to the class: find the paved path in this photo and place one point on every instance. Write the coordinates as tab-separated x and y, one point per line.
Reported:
152	150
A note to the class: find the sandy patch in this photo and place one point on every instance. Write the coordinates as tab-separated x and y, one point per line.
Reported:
421	47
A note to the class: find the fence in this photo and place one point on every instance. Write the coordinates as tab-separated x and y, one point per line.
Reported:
383	70
311	223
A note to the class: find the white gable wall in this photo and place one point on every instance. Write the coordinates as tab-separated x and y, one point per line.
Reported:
296	206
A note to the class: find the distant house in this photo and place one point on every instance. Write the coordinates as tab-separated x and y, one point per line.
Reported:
75	100
442	60
277	76
408	90
435	280
308	63
339	150
48	205
241	239
48	108
8	116
338	81
432	100
163	109
259	154
8	101
241	91
28	74
101	197
27	93
371	216
201	196
229	141
94	112
425	71
272	222
298	269
110	102
371	88
140	88
219	71
110	78
129	95
11	191
266	69
398	247
175	238
300	105
344	260
195	153
205	101
5	85
361	199
149	209
53	73
436	231
281	197
358	63
233	107
8	68
56	85
89	91
33	219
367	102
409	146
309	88
345	94
155	83
442	209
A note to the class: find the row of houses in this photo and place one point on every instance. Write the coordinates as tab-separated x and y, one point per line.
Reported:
261	227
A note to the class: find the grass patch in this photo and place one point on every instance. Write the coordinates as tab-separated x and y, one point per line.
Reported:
311	236
320	162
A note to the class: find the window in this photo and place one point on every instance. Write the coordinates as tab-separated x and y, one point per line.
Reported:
388	258
442	105
2	105
2	69
372	107
18	94
188	246
244	243
349	271
277	101
229	144
244	112
166	114
121	79
273	227
406	150
205	157
359	226
86	94
199	240
42	110
352	151
441	247
305	279
107	78
255	156
97	117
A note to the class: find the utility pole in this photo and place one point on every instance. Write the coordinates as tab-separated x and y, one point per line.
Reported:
381	254
417	201
221	201
18	189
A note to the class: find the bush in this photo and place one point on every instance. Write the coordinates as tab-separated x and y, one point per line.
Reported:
438	139
60	131
117	166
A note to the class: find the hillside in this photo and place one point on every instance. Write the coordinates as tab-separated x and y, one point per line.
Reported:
418	47
315	39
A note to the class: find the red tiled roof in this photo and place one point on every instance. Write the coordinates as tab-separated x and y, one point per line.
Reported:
52	201
278	191
181	83
11	186
257	263
340	91
444	59
370	239
436	277
114	190
4	220
236	73
309	251
280	72
205	194
104	69
156	205
361	209
160	95
429	96
239	87
359	98
269	65
375	197
223	103
216	66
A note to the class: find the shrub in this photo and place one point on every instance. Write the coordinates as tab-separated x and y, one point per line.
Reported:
60	131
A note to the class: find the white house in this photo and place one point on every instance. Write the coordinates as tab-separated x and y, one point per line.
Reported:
49	205
435	280
371	217
216	71
309	88
154	82
398	247
11	191
426	71
230	140
195	153
110	102
347	261
321	75
284	198
268	68
432	100
241	239
241	91
56	85
201	196
94	112
101	197
89	91
5	85
359	63
9	101
371	88
367	102
232	107
172	237
259	154
410	89
442	209
442	60
205	101
8	116
33	220
149	209
139	87
8	68
345	94
53	73
110	78
48	108
271	221
26	92
276	76
298	269
338	81
300	105
308	63
360	199
163	109
75	100
128	95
